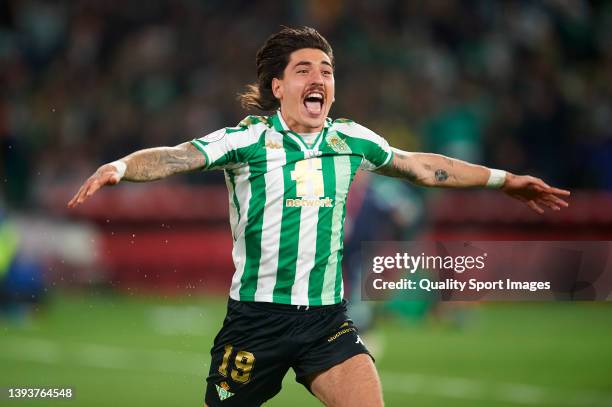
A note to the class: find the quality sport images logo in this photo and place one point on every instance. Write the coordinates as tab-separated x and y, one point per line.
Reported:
486	270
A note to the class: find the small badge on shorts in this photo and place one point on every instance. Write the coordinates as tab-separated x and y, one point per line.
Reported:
223	391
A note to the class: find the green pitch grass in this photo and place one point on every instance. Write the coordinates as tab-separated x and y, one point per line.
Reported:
127	351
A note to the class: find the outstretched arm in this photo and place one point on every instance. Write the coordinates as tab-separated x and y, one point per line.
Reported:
144	165
434	170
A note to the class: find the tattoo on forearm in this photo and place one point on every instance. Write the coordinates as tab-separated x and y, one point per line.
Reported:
423	169
441	175
155	163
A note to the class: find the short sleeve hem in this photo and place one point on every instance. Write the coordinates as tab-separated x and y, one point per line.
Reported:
198	145
387	161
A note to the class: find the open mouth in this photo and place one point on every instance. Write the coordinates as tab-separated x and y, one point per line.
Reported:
314	103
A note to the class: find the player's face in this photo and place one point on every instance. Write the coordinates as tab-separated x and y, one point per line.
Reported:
306	91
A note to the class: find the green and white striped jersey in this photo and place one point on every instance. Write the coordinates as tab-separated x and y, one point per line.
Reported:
287	204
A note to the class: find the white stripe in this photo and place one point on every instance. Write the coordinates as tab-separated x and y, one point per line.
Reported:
230	141
281	120
356	130
233	211
243	193
272	219
307	246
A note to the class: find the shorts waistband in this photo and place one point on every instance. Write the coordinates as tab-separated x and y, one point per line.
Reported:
287	308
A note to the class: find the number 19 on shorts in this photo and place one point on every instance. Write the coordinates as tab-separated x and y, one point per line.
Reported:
242	365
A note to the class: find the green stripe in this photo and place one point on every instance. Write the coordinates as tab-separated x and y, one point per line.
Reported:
300	140
276	122
370	150
355	163
324	231
289	236
291	147
252	233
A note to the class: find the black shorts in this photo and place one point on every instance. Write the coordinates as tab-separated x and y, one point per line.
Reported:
259	342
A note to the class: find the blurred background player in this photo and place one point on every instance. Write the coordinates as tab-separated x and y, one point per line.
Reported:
21	279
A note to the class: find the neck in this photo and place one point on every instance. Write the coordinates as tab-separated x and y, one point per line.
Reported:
298	127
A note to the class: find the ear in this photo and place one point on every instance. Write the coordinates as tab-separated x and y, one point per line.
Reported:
277	88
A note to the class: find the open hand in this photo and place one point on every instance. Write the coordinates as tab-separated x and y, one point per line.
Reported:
534	192
105	175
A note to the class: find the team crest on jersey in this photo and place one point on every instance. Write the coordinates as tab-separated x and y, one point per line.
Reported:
223	391
336	143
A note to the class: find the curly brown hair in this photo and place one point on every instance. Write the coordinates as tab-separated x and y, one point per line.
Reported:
272	59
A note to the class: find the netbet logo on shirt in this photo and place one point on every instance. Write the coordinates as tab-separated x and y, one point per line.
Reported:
308	177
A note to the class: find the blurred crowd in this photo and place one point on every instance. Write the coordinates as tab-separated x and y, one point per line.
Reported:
522	85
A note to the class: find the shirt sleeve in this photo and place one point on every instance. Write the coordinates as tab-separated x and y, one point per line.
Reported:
225	148
375	150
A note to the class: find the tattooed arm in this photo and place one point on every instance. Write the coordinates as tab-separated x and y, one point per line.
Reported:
156	163
434	170
144	165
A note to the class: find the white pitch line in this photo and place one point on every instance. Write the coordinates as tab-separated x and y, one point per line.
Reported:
524	394
196	364
176	320
34	350
474	389
104	356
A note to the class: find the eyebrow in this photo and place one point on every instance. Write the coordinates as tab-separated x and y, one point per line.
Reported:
308	63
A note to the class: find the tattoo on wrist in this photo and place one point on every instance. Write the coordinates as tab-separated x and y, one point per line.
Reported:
441	175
